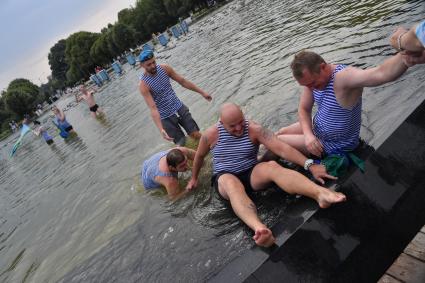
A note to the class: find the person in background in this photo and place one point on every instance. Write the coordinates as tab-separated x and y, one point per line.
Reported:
13	126
40	130
61	123
88	97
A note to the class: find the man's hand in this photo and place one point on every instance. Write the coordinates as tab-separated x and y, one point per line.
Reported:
319	172
413	58
394	37
166	136
207	96
313	145
192	184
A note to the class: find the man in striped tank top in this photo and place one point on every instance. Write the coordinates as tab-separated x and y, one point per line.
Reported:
234	143
168	112
337	91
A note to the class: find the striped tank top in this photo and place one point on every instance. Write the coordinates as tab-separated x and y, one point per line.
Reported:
233	154
163	94
150	170
336	127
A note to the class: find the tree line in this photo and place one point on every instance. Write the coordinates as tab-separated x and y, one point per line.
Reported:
73	59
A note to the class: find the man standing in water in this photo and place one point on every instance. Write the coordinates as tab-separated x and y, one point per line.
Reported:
61	123
234	143
337	90
167	111
88	96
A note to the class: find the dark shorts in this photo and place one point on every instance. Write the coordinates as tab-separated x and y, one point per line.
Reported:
68	129
182	118
49	142
94	108
244	177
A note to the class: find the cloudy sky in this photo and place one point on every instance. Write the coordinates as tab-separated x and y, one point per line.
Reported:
29	28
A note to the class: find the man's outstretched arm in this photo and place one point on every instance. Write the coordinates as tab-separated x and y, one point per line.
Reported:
388	71
186	83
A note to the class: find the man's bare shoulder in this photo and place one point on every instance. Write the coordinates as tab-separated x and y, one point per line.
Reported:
345	79
254	127
143	86
166	67
210	135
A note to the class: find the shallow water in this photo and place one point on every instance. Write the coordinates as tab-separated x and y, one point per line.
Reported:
76	211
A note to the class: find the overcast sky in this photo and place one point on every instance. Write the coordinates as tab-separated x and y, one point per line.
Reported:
29	28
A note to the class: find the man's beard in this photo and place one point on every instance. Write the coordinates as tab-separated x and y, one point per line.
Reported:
152	71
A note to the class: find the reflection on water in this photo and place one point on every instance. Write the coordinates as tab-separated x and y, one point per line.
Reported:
76	211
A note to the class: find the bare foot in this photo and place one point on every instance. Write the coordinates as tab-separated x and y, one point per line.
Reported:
264	237
327	198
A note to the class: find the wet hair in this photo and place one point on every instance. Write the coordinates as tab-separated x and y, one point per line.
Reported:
306	60
175	157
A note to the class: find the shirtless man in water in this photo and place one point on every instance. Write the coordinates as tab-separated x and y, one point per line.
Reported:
89	98
234	143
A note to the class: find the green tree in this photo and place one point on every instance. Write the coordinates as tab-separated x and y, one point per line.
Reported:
100	51
57	61
123	36
112	47
126	16
77	54
21	96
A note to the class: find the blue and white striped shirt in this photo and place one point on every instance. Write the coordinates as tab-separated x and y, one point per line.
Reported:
163	94
336	127
150	170
233	154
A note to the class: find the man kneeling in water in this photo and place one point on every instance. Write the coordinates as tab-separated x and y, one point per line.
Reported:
162	169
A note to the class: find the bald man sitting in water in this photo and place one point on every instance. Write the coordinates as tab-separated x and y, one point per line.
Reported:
234	143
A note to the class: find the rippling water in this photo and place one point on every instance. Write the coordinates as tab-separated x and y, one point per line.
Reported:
76	211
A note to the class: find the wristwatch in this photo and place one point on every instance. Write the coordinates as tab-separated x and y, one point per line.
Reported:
308	163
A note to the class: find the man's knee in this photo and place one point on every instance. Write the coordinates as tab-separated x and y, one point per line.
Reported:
229	185
273	165
271	169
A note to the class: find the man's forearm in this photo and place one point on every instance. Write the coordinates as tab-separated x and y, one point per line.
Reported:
392	69
191	86
305	121
156	119
291	154
197	165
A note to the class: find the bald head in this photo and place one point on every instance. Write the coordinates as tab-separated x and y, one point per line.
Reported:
230	111
232	118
